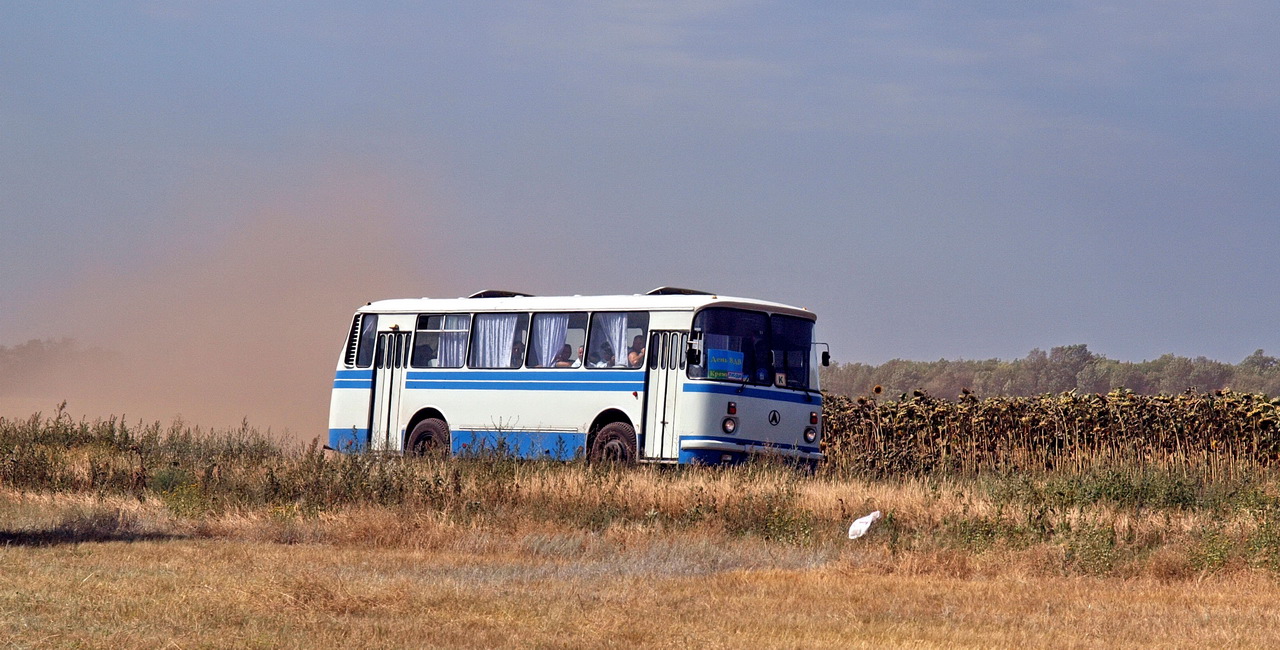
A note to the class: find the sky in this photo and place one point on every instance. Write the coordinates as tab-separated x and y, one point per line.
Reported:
208	189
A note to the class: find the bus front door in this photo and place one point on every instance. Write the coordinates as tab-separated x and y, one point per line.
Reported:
662	387
390	359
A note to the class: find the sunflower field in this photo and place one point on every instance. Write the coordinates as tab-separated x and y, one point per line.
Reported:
1217	433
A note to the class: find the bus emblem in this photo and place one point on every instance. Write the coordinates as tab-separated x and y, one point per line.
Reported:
774	418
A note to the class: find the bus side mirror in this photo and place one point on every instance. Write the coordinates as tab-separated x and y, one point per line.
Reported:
693	356
826	357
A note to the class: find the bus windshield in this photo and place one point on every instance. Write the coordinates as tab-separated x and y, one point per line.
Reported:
752	347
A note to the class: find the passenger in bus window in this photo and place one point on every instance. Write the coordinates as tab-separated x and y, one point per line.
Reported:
605	357
424	355
635	354
517	355
577	363
562	359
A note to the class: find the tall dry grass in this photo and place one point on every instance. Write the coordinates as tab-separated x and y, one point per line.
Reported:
1089	505
115	534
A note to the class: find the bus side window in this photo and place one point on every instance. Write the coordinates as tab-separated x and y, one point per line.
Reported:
557	339
617	339
368	337
440	341
426	342
498	340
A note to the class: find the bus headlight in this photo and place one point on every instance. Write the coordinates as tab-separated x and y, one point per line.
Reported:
729	425
810	434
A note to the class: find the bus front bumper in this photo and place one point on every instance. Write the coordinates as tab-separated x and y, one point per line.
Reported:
714	450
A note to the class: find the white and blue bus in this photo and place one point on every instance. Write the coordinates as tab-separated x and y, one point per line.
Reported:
672	376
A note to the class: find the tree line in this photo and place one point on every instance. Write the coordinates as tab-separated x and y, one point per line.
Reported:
1065	368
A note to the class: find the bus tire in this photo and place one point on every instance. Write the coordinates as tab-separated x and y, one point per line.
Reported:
429	438
614	443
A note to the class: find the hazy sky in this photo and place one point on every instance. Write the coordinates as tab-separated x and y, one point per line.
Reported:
933	179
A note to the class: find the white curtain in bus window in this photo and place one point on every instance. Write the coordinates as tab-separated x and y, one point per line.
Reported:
613	328
453	341
494	340
549	334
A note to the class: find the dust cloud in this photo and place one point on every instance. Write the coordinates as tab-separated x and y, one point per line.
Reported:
247	324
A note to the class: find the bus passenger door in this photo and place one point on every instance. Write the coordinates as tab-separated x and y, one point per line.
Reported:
662	386
389	361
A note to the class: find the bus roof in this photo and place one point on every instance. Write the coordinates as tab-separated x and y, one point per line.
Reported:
648	302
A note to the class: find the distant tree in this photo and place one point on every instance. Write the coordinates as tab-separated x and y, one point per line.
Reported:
1033	373
1172	373
1208	375
1258	373
1063	368
1065	363
1259	362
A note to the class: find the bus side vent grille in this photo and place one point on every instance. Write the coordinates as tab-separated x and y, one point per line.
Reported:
353	341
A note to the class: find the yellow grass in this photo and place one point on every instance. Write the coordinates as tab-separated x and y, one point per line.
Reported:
244	593
398	577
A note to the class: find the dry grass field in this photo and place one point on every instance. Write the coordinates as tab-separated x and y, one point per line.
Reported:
118	536
89	572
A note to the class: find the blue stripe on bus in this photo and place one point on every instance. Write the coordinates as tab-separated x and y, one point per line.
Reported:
553	445
354	374
348	439
603	374
759	393
526	385
352	383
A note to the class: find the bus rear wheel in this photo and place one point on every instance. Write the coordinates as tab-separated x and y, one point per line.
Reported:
614	443
429	438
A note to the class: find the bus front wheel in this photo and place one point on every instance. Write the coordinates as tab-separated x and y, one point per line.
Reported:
429	438
615	443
